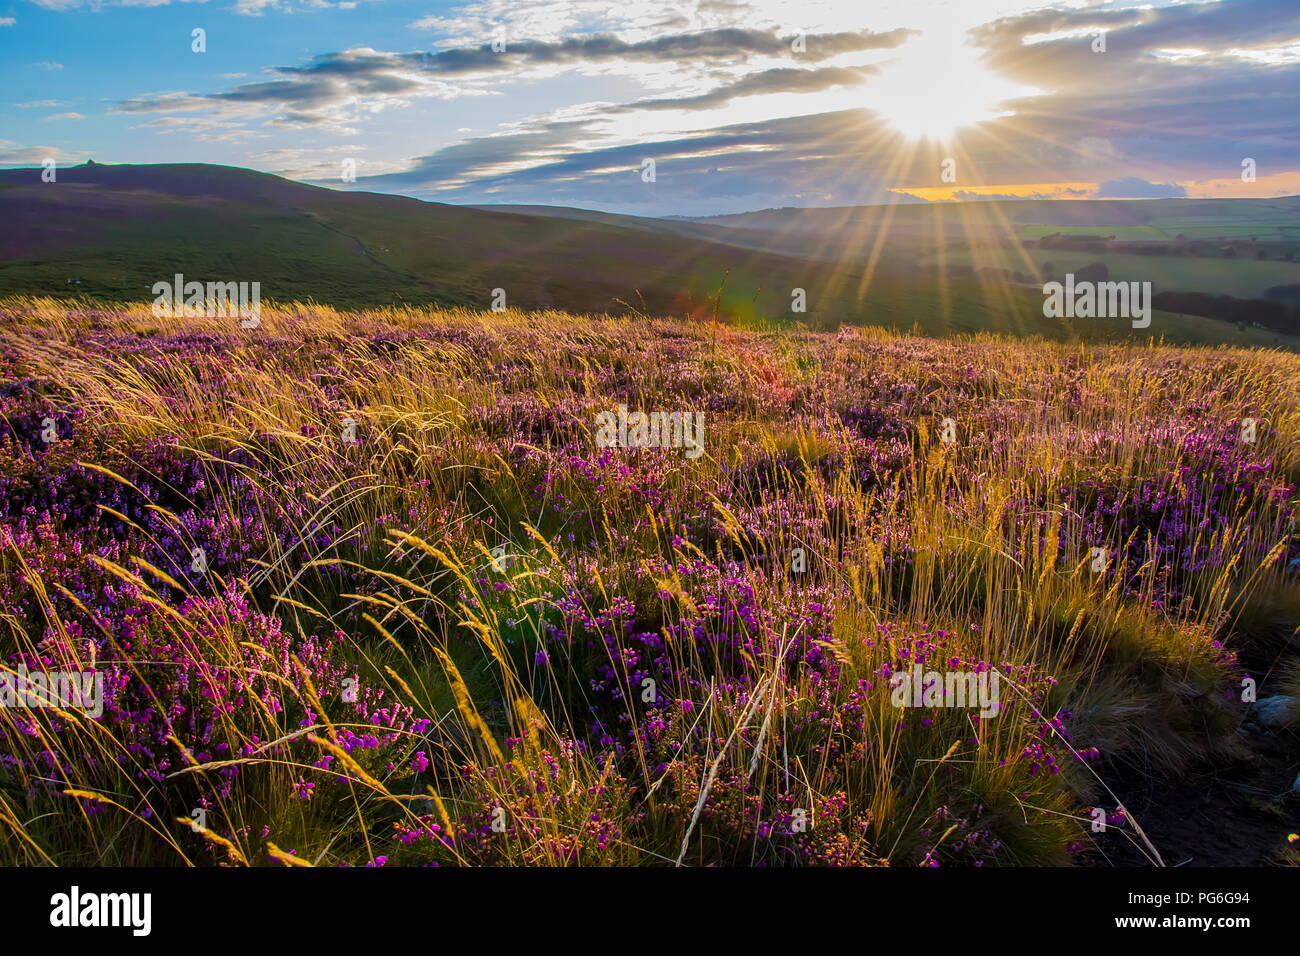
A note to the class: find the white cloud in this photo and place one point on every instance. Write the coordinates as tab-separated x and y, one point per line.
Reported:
11	154
255	8
94	5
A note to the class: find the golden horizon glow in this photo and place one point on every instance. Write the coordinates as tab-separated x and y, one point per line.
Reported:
1019	190
1268	187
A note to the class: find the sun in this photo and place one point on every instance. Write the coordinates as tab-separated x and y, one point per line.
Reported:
937	85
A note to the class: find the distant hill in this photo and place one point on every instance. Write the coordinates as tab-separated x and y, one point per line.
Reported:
112	231
1242	248
1199	218
1237	247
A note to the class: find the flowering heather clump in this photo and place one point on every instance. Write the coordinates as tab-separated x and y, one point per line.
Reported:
368	588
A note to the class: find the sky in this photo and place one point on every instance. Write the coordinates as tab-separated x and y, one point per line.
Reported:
670	107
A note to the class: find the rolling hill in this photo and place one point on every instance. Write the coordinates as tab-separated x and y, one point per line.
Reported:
1238	247
1151	218
111	231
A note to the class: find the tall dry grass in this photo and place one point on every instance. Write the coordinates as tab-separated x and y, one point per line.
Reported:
467	437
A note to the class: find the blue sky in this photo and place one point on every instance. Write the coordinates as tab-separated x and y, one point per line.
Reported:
741	105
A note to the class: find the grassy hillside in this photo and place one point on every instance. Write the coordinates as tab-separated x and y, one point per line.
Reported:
113	231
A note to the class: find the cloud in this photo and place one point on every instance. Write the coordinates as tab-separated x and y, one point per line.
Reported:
11	154
64	116
322	164
1062	40
1237	97
334	89
255	8
1230	39
39	104
487	156
730	46
737	167
843	158
204	129
1135	188
164	103
7	21
49	65
969	195
1182	93
780	80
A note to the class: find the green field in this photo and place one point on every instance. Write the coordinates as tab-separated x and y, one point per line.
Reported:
1129	233
1245	278
1280	228
1267	231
